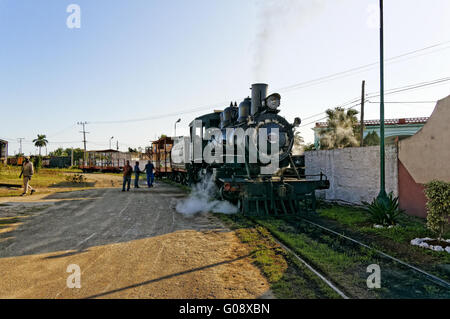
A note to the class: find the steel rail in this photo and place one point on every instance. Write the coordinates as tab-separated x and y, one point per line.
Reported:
428	276
317	273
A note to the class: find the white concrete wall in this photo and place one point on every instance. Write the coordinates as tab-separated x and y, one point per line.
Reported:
354	173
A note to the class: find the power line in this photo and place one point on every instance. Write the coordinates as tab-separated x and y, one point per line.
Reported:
390	91
300	85
157	117
338	75
405	102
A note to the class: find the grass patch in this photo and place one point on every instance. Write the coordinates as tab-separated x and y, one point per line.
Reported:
50	180
394	241
409	227
288	277
345	267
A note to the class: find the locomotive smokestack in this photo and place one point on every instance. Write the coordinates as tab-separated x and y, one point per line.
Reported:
259	93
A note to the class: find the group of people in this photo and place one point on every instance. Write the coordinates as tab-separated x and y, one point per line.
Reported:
28	171
128	171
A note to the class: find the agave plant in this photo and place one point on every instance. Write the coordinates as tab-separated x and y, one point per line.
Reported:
384	213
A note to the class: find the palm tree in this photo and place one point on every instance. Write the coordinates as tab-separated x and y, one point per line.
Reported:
341	128
298	143
40	142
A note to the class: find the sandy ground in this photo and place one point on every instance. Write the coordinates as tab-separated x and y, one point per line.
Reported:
127	245
92	180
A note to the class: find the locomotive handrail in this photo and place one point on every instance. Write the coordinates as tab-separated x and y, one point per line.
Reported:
321	175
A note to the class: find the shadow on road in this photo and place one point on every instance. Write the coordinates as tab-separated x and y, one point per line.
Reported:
81	219
168	277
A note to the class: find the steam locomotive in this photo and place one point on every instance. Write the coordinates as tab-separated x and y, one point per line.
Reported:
248	152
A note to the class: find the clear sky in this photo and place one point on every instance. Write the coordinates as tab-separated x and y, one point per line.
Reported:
152	58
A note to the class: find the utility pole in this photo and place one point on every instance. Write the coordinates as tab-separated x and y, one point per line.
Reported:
382	196
117	144
362	112
71	158
20	139
84	139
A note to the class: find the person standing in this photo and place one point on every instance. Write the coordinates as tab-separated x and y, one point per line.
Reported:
127	170
137	172
27	173
149	170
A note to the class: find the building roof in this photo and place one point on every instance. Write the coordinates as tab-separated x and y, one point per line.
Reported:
3	141
403	121
104	151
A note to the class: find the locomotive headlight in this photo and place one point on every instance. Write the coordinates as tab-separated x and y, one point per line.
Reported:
273	101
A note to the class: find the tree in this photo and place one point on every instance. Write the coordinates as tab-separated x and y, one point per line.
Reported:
59	152
40	141
341	129
78	154
372	139
298	143
132	150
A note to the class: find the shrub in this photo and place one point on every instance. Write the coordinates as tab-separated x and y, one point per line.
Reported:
438	206
37	163
76	178
384	213
372	139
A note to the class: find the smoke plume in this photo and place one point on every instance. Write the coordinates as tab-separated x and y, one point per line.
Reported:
201	200
275	17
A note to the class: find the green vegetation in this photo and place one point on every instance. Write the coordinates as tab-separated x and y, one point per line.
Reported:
372	139
309	147
342	129
78	153
384	213
345	262
44	179
37	163
288	277
298	143
394	241
40	141
438	206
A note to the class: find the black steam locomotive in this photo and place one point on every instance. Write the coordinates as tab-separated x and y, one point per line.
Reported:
250	157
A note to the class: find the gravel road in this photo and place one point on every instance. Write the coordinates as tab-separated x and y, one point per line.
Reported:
127	245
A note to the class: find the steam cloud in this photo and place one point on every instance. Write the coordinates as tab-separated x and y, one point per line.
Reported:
201	200
276	16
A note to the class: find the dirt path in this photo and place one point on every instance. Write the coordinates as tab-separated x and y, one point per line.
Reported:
127	245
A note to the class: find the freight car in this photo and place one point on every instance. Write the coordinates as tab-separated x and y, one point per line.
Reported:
244	176
160	154
105	161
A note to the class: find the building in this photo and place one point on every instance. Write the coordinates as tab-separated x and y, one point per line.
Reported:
3	151
393	128
410	163
423	158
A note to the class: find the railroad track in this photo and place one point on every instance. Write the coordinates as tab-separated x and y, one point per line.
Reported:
434	282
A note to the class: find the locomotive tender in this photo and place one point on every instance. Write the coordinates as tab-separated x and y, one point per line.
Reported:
245	176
